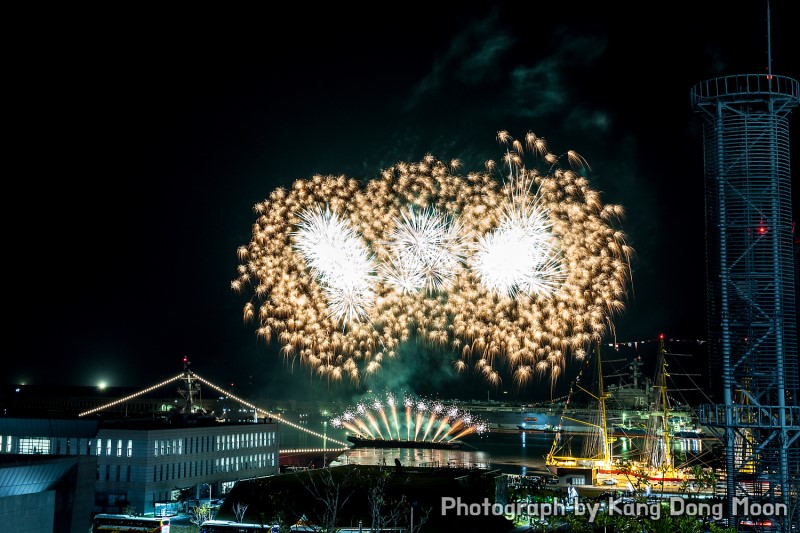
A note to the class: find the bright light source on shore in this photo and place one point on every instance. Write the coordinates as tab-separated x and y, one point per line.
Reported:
101	385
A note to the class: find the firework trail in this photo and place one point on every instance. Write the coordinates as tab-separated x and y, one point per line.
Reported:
426	421
518	274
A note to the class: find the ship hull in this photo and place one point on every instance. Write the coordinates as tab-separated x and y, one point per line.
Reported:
359	442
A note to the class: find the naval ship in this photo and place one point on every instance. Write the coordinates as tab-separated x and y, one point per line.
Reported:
629	408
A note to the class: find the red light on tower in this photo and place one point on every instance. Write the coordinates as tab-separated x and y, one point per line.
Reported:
661	336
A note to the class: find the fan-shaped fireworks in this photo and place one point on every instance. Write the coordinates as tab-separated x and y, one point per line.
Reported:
513	275
416	420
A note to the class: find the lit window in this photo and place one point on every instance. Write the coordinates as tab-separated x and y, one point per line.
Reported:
130	448
99	446
36	445
108	448
119	448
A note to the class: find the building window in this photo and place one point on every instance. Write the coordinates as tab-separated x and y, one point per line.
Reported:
130	448
119	448
119	468
35	445
108	446
128	474
180	446
99	446
69	448
110	499
108	472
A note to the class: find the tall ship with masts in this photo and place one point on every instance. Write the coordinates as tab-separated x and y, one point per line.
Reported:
593	448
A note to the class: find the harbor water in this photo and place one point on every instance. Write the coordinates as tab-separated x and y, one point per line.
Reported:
511	452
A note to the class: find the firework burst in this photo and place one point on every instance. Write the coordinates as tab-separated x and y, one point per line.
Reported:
417	419
514	275
426	251
339	260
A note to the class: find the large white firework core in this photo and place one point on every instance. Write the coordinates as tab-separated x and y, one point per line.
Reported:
521	255
339	260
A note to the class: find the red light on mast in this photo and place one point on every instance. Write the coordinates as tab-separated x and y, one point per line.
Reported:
661	336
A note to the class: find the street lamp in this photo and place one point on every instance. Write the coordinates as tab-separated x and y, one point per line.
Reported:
413	504
209	492
324	443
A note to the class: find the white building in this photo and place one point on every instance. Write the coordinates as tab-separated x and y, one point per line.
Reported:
145	463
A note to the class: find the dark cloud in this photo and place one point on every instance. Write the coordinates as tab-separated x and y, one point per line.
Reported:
471	58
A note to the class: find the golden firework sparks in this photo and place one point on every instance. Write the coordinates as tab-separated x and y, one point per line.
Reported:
518	274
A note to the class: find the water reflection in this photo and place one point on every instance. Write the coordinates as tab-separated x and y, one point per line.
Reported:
416	457
511	452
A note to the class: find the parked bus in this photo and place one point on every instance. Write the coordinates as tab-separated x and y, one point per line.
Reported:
121	523
226	526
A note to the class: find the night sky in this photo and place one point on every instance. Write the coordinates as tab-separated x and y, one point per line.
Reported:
141	140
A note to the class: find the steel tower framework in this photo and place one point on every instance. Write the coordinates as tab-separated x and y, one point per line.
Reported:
752	322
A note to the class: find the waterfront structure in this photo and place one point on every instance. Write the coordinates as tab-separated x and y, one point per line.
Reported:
752	323
147	462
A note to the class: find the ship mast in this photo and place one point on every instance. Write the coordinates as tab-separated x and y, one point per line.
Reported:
665	406
601	396
192	389
552	459
666	459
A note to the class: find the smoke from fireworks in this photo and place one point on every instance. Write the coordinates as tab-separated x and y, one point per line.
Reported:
518	274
